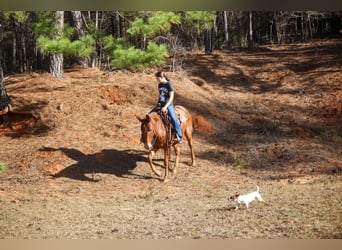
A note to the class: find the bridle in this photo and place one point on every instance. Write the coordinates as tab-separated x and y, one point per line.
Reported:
154	138
149	129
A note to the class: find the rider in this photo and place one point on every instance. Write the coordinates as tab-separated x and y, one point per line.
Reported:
165	103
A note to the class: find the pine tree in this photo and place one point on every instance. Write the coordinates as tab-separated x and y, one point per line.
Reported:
150	53
56	66
79	30
203	22
54	40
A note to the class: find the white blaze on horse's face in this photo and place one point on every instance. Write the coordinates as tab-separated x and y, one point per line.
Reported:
147	135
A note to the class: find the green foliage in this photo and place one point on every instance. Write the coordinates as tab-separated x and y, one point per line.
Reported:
146	25
240	162
111	43
138	27
156	54
126	56
201	19
45	26
160	21
53	46
136	59
2	167
83	47
19	16
51	42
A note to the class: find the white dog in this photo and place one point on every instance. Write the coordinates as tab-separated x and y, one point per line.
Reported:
245	199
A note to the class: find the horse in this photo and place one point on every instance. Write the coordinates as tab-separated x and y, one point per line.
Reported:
154	136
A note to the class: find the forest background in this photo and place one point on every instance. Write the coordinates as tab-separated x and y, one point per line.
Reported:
138	40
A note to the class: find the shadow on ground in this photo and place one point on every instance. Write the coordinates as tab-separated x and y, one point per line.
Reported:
108	161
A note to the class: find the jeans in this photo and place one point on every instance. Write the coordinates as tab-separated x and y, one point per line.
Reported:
172	113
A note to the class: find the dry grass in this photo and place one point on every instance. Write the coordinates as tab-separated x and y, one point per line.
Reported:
308	210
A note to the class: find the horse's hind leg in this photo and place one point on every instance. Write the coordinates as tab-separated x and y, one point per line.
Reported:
188	134
191	146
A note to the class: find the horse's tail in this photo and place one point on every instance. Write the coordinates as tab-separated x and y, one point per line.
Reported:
201	124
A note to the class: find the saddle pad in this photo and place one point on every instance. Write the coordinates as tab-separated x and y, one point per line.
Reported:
182	118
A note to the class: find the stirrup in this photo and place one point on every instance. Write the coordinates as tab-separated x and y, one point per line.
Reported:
176	141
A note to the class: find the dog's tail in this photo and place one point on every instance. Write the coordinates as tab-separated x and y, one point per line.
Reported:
257	188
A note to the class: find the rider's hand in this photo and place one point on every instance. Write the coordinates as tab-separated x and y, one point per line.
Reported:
164	110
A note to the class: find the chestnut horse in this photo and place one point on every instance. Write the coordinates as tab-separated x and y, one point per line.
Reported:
154	135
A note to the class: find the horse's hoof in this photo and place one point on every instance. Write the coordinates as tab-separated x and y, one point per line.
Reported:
158	174
165	180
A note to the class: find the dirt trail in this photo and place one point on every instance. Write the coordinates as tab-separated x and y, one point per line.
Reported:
272	117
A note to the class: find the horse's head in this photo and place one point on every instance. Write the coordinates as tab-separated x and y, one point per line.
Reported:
148	135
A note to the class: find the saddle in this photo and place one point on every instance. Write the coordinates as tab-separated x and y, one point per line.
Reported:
167	121
166	118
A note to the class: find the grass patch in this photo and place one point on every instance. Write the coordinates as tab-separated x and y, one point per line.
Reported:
240	162
271	125
2	167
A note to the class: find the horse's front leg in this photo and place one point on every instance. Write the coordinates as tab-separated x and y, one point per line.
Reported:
150	161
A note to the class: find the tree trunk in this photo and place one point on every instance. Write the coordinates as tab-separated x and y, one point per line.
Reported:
56	66
94	54
78	24
302	28
281	21
118	25
226	31
250	45
5	100
241	31
22	53
80	31
309	24
14	52
1	71
207	41
1	59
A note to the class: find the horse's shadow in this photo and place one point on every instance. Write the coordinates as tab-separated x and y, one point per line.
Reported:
107	161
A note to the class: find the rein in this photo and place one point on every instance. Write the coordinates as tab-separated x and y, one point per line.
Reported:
155	137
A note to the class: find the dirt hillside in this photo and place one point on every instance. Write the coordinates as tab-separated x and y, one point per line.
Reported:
271	117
